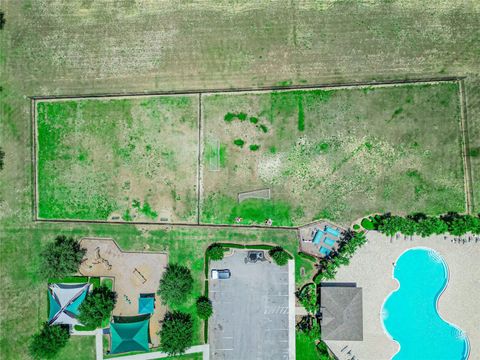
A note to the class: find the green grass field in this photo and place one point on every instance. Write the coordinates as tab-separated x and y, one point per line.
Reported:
94	47
337	154
131	159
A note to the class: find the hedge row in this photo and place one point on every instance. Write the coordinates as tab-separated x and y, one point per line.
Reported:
424	225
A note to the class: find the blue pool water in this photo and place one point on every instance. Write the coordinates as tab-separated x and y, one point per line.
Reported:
324	251
331	231
329	241
410	313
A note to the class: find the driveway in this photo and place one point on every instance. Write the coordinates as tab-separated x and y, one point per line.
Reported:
251	310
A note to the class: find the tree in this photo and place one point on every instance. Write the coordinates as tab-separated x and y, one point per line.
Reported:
431	225
61	257
308	298
177	333
215	252
175	285
49	341
391	225
97	306
279	255
204	307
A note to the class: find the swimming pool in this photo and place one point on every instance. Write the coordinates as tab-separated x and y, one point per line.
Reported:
410	313
329	241
324	251
331	231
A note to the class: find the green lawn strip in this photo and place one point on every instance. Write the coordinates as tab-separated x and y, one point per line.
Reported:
78	347
305	348
69	280
219	209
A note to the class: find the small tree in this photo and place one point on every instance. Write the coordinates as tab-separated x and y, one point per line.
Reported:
61	257
177	333
215	252
204	307
175	285
96	307
279	255
49	341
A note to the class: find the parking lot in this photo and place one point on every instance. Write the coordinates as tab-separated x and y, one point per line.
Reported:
253	310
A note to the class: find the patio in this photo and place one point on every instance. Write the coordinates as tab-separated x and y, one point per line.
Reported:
134	274
320	238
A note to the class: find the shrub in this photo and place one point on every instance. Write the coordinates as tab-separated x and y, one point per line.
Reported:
356	227
175	285
242	116
49	341
215	252
177	333
229	117
61	257
279	255
254	147
239	142
263	128
367	224
204	307
253	120
97	307
308	298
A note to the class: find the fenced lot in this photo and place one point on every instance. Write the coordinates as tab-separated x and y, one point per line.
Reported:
131	159
337	154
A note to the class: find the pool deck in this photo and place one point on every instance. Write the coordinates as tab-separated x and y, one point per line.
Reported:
371	269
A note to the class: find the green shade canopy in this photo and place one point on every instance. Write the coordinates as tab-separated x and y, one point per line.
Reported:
129	336
146	305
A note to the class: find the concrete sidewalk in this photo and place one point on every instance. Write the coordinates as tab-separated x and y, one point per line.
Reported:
205	349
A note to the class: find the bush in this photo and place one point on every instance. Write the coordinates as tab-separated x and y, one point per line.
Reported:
176	285
308	298
279	255
356	227
204	307
49	341
61	257
367	224
254	147
97	307
215	252
239	142
177	333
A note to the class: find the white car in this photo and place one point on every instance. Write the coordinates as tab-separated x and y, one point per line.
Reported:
221	274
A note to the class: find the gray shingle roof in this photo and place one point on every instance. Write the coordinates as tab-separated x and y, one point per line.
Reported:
342	317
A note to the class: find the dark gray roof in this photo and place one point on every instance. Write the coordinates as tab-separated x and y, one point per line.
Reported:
342	317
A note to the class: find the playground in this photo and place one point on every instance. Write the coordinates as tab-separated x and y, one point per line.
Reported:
134	273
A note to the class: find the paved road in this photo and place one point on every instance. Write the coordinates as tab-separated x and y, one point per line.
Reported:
251	311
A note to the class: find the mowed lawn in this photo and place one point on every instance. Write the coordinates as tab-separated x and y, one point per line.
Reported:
338	154
131	159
